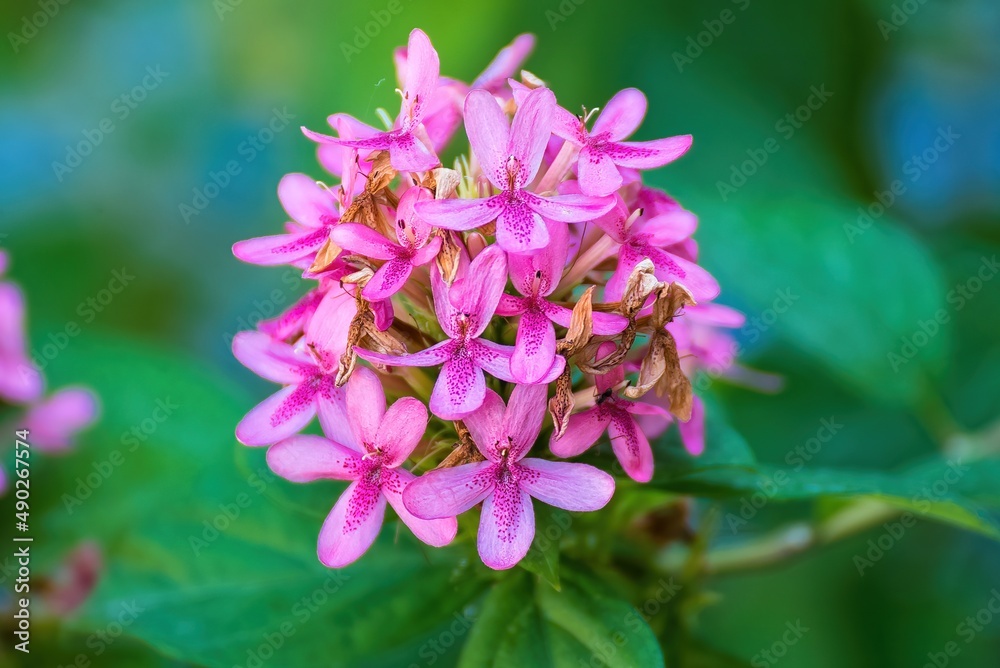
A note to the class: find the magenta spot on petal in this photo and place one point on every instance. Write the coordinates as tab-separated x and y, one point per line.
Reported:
296	402
307	242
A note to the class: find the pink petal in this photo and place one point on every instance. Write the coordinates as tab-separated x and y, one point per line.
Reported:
422	69
435	532
631	447
482	288
540	273
426	253
485	424
606	381
449	492
523	418
283	414
305	458
605	324
327	330
363	240
530	131
648	154
519	228
505	63
622	115
567	485
411	229
294	320
408	153
506	527
20	381
306	201
693	431
437	354
365	404
535	347
352	525
570	208
613	222
272	360
598	173
55	421
489	136
460	389
280	248
510	305
388	279
460	214
668	228
493	358
401	430
583	431
717	315
331	407
672	268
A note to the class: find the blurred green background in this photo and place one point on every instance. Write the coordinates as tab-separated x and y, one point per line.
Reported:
905	93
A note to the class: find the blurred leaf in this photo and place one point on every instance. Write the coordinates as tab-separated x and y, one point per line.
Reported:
543	556
853	298
581	624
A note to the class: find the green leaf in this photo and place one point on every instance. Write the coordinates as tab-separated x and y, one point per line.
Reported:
850	297
543	556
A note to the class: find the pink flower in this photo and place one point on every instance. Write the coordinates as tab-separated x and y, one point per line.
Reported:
54	421
415	246
510	157
309	389
313	210
368	454
615	415
535	277
643	237
603	152
20	381
407	151
464	311
507	481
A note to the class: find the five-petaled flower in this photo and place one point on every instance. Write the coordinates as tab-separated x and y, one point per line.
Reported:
507	480
369	454
510	157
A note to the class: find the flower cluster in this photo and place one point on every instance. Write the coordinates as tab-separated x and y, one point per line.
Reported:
462	286
51	421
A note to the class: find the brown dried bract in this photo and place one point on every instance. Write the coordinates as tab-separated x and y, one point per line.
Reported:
326	256
365	207
363	333
448	257
465	451
563	403
581	325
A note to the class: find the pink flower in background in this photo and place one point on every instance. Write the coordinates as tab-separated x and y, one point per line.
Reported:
369	455
536	277
415	246
20	380
506	482
602	149
314	213
55	420
615	415
407	150
510	156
